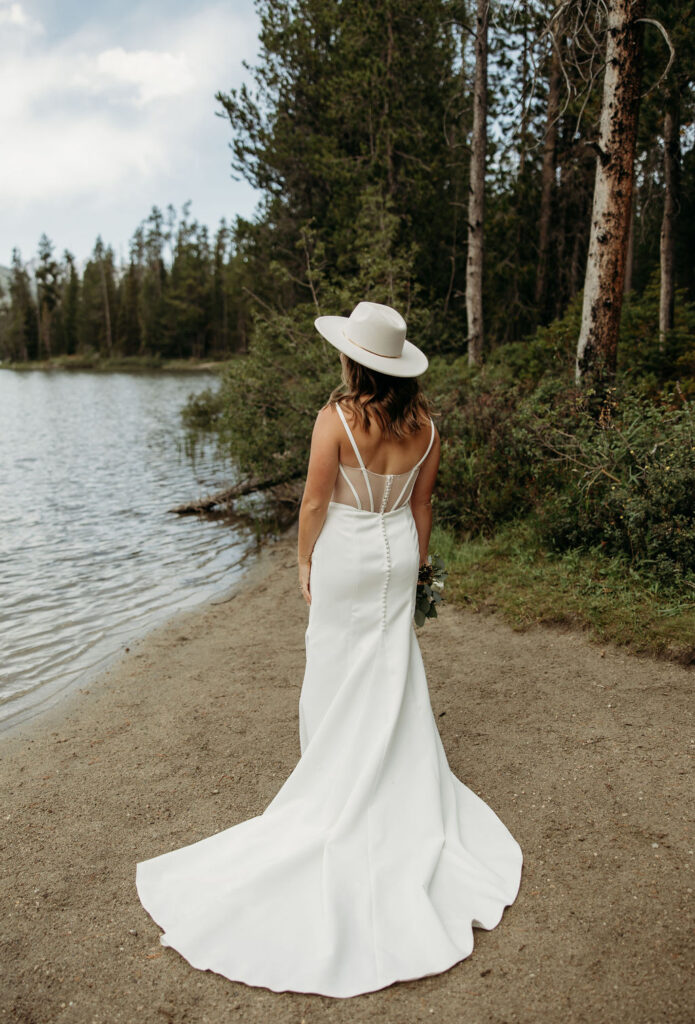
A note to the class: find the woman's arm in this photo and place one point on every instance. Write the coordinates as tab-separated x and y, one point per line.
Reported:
421	498
320	480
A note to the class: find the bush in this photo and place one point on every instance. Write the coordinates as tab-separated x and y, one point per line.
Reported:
483	478
519	439
267	401
641	356
624	482
203	411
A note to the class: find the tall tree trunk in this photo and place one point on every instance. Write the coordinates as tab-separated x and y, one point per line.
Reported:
523	128
548	177
671	178
44	331
452	257
107	311
390	177
597	347
225	319
476	198
575	267
630	258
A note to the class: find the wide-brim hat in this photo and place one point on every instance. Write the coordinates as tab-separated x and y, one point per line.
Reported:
374	335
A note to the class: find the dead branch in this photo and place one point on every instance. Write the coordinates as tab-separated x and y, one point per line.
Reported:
226	497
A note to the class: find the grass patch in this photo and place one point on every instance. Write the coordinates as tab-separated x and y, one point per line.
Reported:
510	573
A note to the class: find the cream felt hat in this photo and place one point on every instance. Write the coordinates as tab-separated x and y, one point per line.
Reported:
374	335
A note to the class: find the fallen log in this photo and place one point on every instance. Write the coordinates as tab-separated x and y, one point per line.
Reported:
227	496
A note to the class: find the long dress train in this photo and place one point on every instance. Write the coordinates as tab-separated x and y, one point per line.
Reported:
373	862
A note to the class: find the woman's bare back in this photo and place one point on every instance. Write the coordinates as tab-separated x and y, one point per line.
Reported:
384	456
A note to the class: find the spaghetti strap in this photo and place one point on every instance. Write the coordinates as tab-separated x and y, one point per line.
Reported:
429	446
359	457
415	467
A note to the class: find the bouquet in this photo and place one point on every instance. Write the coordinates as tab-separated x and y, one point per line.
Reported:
430	581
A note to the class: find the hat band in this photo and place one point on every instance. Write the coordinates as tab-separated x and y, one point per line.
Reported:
370	350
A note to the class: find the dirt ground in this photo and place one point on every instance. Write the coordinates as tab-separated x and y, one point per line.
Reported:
582	750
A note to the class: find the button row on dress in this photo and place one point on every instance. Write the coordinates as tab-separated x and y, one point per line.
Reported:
384	500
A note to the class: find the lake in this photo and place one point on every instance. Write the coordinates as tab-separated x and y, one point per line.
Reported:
90	558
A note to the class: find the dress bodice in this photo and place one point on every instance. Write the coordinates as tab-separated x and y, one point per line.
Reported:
364	489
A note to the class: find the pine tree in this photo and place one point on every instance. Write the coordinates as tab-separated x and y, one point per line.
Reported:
69	305
20	339
47	277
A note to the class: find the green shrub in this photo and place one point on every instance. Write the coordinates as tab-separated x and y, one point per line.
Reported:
267	401
203	411
642	357
483	478
519	440
624	482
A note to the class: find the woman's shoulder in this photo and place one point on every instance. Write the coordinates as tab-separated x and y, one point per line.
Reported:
329	411
327	420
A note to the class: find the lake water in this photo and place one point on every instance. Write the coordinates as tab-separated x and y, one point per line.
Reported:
89	556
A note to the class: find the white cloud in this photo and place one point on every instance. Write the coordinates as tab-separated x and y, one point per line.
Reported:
13	14
72	157
82	114
154	74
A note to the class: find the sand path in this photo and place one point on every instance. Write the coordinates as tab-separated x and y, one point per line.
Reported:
583	751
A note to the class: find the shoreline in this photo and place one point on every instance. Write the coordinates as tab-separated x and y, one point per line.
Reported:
58	703
60	692
580	748
126	364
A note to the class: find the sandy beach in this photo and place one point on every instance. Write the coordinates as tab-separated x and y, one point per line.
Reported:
583	750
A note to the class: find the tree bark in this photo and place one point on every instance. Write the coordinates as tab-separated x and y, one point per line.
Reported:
671	176
476	197
548	177
597	346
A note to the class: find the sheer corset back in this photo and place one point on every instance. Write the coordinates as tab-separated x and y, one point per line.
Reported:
388	490
362	488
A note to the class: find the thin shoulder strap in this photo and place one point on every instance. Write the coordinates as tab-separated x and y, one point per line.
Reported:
359	457
415	467
429	446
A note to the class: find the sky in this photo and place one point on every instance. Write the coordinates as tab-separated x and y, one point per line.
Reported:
108	109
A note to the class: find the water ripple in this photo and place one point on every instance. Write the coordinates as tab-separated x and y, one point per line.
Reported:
89	556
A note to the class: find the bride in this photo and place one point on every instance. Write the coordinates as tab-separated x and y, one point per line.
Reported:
373	862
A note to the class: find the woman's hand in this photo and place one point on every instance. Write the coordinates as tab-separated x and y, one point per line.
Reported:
304	577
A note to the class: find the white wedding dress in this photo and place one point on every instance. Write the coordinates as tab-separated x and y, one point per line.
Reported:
373	862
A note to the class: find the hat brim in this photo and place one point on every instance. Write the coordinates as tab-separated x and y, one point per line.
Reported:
410	363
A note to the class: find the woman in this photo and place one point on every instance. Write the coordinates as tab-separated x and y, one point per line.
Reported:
373	862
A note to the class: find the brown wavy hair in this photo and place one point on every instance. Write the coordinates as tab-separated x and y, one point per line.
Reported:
396	403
